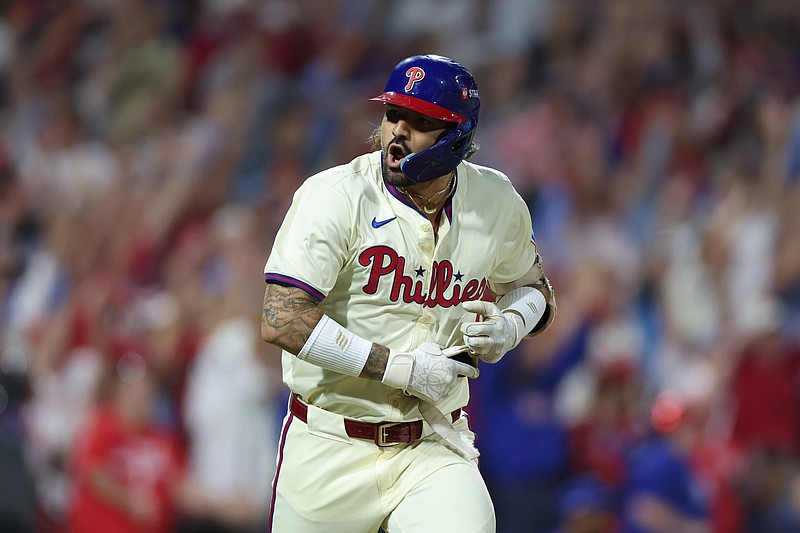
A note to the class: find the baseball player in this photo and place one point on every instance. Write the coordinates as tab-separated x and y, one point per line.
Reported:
381	271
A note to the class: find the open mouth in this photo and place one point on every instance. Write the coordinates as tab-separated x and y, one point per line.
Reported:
395	155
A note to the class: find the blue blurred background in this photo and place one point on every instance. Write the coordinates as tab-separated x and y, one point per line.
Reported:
148	152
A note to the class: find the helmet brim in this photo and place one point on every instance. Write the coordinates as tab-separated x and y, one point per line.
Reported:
420	106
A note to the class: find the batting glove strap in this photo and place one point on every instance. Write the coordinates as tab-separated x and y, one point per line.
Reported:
334	347
398	369
424	372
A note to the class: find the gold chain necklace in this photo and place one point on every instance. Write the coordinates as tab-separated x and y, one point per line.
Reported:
431	206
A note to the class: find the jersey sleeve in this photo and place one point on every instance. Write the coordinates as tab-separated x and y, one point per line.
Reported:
517	252
312	243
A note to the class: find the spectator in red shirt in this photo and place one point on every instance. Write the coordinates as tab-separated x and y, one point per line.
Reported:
601	439
766	389
125	469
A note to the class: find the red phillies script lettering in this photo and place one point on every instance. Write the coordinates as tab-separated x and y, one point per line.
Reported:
414	74
386	265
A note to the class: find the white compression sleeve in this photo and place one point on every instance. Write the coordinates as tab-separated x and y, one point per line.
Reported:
336	348
529	303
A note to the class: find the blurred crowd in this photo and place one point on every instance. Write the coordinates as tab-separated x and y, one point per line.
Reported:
148	152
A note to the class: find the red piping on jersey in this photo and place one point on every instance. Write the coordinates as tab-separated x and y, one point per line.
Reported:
294	282
400	196
277	471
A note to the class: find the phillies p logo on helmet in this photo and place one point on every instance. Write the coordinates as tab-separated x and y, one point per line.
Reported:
414	75
449	92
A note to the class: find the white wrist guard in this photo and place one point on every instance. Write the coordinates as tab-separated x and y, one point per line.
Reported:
528	303
334	347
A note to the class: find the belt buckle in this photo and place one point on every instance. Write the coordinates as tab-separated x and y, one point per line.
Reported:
380	434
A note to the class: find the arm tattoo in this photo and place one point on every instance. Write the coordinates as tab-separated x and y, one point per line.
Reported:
376	362
288	317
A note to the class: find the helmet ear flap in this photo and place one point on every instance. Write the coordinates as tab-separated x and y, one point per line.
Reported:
444	156
461	146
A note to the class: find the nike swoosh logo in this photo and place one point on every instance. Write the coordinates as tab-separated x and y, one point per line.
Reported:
376	224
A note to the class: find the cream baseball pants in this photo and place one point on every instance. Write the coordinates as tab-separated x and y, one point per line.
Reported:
328	482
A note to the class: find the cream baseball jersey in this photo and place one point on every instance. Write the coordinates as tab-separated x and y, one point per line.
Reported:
369	256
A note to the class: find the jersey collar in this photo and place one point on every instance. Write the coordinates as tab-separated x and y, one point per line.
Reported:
448	205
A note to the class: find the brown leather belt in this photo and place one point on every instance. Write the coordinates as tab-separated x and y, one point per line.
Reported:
383	434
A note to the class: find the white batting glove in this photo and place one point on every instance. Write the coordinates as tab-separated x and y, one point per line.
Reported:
425	372
495	335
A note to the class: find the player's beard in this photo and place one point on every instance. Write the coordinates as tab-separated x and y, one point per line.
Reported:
394	176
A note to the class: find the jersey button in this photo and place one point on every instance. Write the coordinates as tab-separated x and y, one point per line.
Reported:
426	319
427	247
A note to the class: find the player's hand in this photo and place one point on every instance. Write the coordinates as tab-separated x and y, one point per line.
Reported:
494	335
425	372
